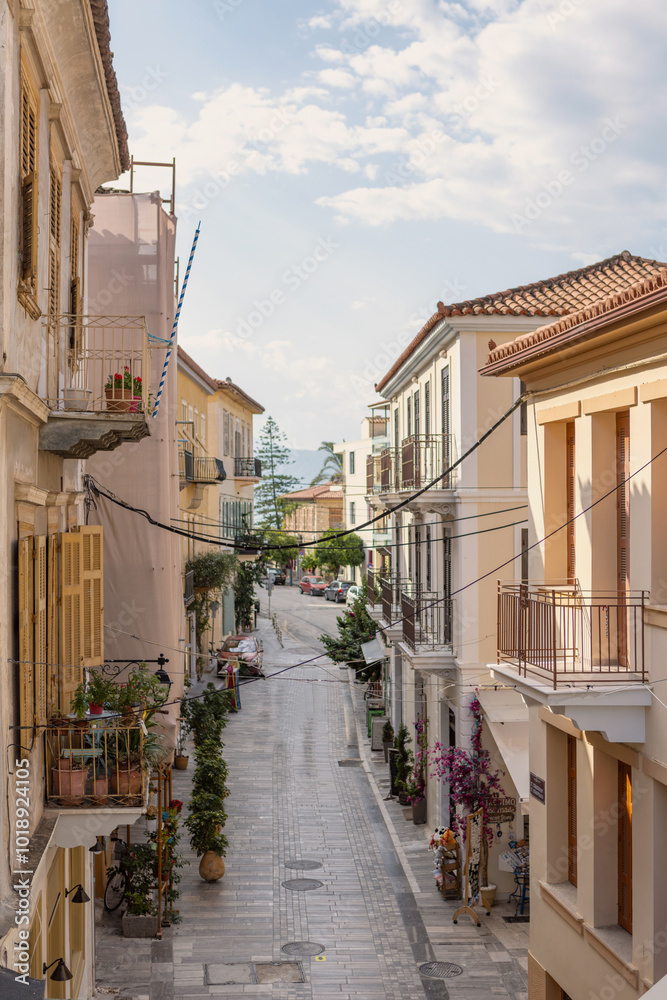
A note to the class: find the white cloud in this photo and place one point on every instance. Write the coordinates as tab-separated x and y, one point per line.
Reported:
336	78
320	21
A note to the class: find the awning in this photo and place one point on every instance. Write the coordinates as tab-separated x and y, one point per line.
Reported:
506	715
24	989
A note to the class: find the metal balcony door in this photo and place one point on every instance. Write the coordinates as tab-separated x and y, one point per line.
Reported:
622	531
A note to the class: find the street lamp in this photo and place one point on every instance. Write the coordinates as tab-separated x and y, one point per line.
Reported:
161	673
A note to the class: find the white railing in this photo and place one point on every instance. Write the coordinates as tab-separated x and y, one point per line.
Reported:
98	364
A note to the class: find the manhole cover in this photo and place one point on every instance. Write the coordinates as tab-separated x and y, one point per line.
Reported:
352	762
440	970
303	948
302	884
303	865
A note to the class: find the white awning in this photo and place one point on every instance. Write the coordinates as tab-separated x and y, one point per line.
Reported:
506	715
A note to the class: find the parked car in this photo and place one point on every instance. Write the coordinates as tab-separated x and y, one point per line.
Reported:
352	594
245	650
314	585
276	576
337	590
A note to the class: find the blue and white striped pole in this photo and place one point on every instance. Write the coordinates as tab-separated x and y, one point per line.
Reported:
175	326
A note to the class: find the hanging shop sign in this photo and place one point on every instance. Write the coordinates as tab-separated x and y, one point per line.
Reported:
501	810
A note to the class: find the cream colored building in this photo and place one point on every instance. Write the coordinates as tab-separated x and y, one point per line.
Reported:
584	641
217	472
472	520
62	135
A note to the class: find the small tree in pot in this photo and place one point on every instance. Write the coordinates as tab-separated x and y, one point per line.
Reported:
404	762
387	739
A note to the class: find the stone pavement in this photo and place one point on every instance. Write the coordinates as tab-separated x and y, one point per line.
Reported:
376	914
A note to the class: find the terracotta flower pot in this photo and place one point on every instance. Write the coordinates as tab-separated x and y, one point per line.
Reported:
69	784
211	867
99	789
181	762
119	400
126	781
94	709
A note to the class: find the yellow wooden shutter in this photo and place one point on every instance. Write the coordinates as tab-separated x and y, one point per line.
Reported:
92	630
26	636
52	648
41	643
71	611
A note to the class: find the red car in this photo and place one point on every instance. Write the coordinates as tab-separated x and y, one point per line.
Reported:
313	585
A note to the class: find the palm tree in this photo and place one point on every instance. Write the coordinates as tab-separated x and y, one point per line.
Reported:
332	470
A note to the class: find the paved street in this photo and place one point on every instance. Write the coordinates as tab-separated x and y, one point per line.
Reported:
375	915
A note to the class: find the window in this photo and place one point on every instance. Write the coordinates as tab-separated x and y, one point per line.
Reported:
195	429
28	179
202	430
409	418
446	445
417	413
523	411
447	589
55	212
418	559
571	483
524	555
396	428
184	411
225	429
74	308
352	513
351	463
427	407
572	810
428	557
625	846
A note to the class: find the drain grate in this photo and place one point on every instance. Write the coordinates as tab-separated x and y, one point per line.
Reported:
303	948
350	762
303	865
303	884
517	920
440	970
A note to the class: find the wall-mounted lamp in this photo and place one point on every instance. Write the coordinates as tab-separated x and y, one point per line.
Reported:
60	974
80	895
161	673
97	847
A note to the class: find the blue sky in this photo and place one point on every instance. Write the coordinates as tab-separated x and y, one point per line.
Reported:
355	161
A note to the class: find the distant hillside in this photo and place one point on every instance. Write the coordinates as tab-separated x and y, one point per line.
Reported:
307	463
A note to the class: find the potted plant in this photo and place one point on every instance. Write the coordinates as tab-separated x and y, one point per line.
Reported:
387	739
151	819
403	763
207	814
123	391
473	784
76	399
181	758
68	780
140	918
99	784
99	690
416	785
79	704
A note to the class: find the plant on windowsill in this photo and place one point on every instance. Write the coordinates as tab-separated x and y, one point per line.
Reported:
473	784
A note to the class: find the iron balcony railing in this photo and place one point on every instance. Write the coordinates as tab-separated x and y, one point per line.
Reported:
199	469
250	468
370	585
427	620
97	364
560	632
374	473
95	762
189	591
425	457
391	587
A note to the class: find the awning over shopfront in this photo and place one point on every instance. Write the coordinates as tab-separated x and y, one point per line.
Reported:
506	715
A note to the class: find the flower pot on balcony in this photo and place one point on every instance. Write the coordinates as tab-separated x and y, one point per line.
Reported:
419	811
211	867
126	781
181	762
136	403
76	399
99	789
119	400
69	782
94	709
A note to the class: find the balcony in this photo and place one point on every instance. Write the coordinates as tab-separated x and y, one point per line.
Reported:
249	469
96	384
562	635
199	469
189	588
419	460
427	620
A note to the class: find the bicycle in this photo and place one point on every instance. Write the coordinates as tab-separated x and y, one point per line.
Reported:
117	879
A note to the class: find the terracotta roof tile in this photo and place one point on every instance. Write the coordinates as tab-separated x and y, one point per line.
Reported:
599	310
100	12
559	296
236	390
313	493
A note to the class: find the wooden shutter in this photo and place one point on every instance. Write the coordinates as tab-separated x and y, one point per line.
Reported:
622	530
28	171
52	615
41	630
92	631
55	206
625	846
71	612
446	421
572	810
571	481
26	630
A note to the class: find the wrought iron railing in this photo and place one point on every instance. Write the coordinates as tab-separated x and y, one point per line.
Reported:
248	467
425	457
427	620
97	364
558	631
199	469
370	585
391	587
186	464
96	761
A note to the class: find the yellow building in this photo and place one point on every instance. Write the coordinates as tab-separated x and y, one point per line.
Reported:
217	473
583	638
